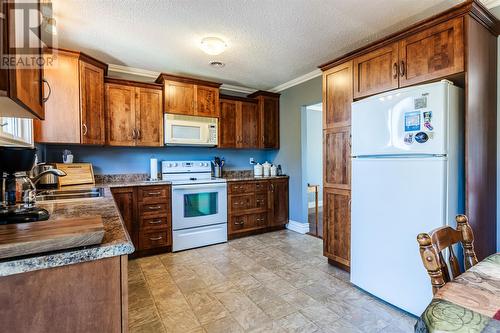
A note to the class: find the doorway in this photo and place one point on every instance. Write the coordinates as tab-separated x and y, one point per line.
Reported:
312	166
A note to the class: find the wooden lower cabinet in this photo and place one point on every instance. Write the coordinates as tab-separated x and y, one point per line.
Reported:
257	206
337	226
85	297
147	214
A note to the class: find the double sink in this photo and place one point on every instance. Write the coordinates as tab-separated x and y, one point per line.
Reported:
93	192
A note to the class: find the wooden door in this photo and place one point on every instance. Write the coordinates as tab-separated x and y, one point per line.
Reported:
120	115
26	81
434	53
179	98
269	122
227	124
124	199
376	71
337	96
337	226
207	101
278	202
337	157
248	125
149	117
62	110
92	103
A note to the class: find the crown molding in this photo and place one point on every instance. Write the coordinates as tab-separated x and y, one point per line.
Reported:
491	3
298	80
153	75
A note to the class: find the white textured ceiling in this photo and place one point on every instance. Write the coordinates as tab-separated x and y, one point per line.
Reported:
270	41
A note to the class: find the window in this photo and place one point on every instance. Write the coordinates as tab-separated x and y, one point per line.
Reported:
16	131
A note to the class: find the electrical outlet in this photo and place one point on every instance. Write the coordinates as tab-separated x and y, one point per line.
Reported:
252	161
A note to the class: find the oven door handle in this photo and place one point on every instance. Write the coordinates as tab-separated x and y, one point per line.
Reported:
199	186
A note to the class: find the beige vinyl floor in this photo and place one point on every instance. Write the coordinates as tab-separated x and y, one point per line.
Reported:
274	282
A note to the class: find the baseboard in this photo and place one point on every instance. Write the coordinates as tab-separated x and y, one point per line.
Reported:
312	204
301	228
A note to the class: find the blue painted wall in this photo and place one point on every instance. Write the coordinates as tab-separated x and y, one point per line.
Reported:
120	160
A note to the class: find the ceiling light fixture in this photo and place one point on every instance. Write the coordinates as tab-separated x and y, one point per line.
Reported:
213	45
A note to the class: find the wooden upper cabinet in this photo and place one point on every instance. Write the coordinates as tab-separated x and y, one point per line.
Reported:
190	97
249	125
74	112
227	123
239	123
269	118
337	157
179	98
433	53
149	116
92	103
207	101
23	84
376	71
337	96
120	114
134	113
337	226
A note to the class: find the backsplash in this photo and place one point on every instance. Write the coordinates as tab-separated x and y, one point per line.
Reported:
127	160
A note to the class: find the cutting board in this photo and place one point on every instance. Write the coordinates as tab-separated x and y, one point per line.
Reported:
51	235
76	174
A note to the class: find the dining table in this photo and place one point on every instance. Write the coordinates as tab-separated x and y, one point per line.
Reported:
469	304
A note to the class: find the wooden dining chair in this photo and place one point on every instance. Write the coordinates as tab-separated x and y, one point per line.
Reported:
431	247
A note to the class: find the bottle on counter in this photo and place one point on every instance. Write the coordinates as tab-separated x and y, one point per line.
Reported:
279	171
274	171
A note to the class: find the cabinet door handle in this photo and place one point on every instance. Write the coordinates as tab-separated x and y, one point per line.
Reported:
154	207
45	99
239	222
154	193
155	222
402	68
85	130
133	134
395	70
155	238
138	134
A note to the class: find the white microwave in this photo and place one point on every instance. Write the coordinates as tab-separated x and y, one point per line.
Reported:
190	130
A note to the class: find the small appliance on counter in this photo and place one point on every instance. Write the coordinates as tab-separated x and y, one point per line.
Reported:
199	204
18	192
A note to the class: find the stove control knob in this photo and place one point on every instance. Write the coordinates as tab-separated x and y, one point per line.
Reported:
201	164
206	164
175	164
169	165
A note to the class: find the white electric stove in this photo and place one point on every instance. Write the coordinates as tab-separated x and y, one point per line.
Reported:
199	204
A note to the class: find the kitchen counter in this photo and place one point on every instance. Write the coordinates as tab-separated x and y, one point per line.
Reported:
250	178
116	240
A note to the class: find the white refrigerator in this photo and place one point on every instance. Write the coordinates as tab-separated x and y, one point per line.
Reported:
407	178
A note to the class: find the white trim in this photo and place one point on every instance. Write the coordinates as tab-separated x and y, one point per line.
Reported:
153	75
301	228
306	77
312	204
491	3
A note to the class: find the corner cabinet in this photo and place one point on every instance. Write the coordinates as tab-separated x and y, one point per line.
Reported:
22	88
74	113
269	118
190	97
459	45
134	113
238	123
337	99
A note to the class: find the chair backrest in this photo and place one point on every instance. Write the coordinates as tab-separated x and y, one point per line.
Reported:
432	245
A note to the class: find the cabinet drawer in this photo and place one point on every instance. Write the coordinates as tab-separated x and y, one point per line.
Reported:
261	186
153	194
261	201
242	202
248	222
150	210
153	239
241	188
154	223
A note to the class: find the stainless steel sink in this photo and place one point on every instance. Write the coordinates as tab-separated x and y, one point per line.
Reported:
94	192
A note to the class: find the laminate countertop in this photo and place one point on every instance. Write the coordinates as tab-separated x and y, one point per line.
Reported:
116	240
